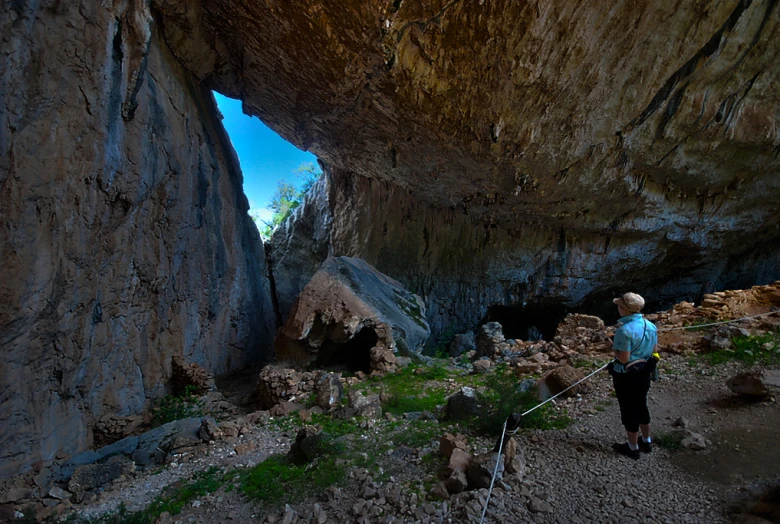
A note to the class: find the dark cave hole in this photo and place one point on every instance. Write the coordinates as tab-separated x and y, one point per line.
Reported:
532	322
527	323
352	355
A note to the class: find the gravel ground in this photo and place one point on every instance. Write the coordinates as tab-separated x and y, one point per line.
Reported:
572	475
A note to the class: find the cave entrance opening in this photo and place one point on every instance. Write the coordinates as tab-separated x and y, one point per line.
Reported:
351	355
276	174
527	322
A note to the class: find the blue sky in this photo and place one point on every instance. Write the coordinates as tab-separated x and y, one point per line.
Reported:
265	156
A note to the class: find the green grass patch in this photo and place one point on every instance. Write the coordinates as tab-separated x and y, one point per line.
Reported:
752	350
278	480
170	407
417	434
409	390
671	440
172	500
502	397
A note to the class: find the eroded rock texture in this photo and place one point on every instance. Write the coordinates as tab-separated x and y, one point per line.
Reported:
351	315
524	153
123	226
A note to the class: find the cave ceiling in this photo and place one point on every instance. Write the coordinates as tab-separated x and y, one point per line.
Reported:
563	113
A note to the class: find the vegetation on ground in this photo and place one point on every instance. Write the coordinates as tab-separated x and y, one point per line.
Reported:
503	395
671	440
172	500
176	407
754	349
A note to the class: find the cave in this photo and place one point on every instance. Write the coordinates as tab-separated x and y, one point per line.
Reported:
527	322
352	355
462	158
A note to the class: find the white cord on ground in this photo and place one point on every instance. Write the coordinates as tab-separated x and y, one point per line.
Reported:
718	323
495	471
503	431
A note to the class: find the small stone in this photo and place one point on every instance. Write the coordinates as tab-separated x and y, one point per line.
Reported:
59	493
448	443
694	441
537	505
481	366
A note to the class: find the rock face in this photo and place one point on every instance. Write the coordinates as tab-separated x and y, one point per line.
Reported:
481	153
502	153
347	310
123	227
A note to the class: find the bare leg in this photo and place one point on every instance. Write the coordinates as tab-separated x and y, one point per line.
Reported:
632	438
645	431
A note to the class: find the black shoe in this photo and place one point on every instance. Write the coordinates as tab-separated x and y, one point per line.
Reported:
623	449
645	447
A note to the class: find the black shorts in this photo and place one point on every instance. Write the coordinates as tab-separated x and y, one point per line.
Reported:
631	389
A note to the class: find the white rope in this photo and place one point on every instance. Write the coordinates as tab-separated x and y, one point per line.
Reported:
564	391
503	431
718	323
495	472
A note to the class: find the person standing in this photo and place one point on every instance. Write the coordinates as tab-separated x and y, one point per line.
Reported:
634	343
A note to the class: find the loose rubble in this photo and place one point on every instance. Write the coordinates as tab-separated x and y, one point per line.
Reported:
544	476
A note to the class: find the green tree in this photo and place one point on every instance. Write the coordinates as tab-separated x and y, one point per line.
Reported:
288	196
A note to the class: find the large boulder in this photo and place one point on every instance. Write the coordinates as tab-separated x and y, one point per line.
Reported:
146	449
463	405
559	379
346	310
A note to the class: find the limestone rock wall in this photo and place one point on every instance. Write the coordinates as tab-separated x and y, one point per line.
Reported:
462	266
123	226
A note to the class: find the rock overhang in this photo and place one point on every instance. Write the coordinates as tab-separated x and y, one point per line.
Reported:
557	115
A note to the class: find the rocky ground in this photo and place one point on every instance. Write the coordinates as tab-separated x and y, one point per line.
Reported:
389	467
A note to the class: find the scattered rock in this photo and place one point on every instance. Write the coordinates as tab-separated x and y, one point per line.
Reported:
382	360
558	379
694	441
365	406
440	491
261	418
681	422
15	495
537	505
462	343
455	473
755	383
209	430
490	336
449	443
463	405
93	476
481	467
329	390
285	408
481	366
59	493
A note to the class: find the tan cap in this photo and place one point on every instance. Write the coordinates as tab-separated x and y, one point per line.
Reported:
631	301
